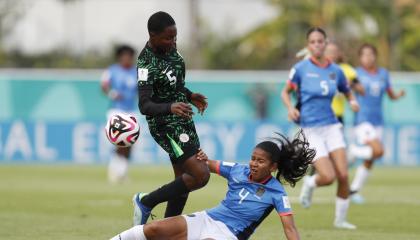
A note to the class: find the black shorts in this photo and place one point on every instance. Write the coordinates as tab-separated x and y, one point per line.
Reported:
179	141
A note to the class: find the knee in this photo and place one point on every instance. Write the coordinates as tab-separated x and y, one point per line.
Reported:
327	179
342	177
202	178
378	152
152	229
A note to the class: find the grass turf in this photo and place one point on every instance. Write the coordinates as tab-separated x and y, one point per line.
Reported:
76	202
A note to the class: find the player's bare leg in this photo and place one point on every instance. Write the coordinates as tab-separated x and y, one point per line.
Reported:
342	201
325	175
363	171
196	173
174	228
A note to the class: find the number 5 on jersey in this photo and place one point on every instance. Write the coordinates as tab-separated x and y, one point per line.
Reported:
325	88
172	79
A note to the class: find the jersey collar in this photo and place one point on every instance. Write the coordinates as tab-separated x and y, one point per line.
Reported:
371	71
264	181
316	62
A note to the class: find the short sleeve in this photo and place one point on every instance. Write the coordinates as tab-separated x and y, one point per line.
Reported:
294	78
282	205
224	168
342	83
387	80
146	74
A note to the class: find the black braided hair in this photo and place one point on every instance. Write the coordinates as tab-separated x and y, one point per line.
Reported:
292	156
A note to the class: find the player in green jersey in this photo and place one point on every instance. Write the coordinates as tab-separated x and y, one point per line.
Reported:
165	101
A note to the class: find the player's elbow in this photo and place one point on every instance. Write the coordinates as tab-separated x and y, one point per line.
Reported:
142	108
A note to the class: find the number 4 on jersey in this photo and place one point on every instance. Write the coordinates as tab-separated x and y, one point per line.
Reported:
243	194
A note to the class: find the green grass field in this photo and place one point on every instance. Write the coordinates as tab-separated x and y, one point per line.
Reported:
75	202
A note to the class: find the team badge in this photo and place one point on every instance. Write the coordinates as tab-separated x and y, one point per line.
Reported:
142	74
260	191
184	138
332	76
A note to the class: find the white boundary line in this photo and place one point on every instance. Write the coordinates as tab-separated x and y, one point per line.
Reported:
207	76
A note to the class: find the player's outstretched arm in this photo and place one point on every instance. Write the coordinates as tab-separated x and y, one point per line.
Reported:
212	164
395	96
289	227
293	113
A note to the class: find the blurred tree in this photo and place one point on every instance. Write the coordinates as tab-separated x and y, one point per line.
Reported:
390	25
10	12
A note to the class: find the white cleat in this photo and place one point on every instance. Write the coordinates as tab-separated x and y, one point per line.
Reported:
344	225
305	197
356	198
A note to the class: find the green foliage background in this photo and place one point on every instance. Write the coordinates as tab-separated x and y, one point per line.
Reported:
391	25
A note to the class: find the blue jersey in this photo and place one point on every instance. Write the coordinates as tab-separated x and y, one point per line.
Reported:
375	84
248	203
316	86
124	82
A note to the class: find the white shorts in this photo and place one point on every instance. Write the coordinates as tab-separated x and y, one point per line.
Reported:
201	226
325	139
367	132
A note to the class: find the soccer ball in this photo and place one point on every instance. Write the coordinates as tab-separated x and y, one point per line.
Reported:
122	130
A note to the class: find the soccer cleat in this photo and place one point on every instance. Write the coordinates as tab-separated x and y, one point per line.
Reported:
344	225
305	197
356	198
141	212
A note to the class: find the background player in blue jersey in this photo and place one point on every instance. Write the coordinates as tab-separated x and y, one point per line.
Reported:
119	83
253	192
369	120
316	81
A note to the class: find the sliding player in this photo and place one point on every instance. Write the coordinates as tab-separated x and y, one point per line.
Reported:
253	192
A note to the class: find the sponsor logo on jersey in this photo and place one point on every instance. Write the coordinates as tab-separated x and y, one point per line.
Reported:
312	75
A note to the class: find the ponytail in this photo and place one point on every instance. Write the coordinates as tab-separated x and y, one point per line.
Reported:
293	157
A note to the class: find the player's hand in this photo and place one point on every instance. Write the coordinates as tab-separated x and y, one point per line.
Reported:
293	114
402	93
182	109
199	101
354	105
114	95
202	156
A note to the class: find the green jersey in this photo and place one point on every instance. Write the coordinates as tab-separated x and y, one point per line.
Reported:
166	74
163	79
